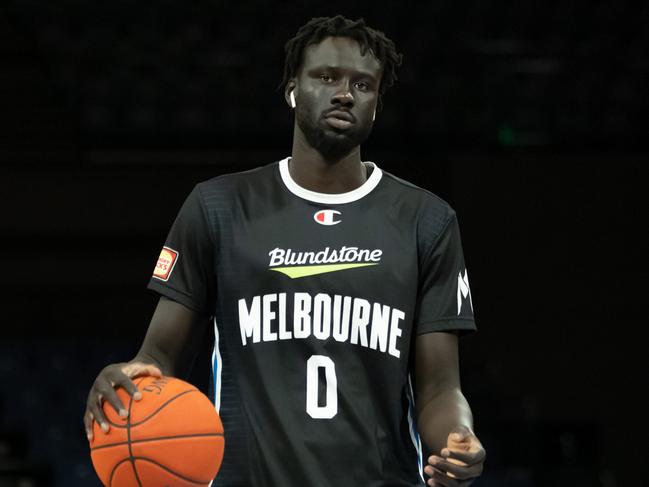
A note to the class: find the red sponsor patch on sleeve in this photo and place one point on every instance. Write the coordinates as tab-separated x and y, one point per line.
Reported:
165	264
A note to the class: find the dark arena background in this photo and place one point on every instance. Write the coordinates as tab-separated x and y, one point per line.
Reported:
530	118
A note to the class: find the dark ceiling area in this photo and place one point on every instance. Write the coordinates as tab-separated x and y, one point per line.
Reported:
475	76
531	119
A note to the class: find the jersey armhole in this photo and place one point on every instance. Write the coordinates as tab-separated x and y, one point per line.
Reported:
173	294
463	326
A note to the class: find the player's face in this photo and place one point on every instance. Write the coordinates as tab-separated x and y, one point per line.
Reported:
337	92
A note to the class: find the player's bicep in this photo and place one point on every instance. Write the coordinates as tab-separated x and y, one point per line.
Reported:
436	365
172	338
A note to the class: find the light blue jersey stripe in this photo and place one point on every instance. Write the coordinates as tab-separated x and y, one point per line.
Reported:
217	368
414	434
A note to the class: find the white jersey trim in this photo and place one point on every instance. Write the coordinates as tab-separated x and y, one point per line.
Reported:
326	198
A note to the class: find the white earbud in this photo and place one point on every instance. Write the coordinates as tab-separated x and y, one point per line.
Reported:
374	115
292	95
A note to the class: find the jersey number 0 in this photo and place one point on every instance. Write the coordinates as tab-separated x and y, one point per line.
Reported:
330	408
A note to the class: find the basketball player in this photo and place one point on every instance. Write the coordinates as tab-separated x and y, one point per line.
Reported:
336	292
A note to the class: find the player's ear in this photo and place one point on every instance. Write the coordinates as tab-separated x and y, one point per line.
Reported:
290	92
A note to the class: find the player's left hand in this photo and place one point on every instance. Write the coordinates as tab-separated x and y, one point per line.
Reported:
460	462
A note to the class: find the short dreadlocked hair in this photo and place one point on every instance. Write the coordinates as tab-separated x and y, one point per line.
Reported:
316	29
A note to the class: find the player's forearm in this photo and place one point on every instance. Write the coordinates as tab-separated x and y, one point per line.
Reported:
166	366
172	338
439	415
173	359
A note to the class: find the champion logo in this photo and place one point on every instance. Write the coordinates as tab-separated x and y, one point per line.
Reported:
326	217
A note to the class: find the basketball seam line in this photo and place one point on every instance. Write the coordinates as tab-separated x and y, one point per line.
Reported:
130	448
150	460
132	458
112	472
121	426
155	439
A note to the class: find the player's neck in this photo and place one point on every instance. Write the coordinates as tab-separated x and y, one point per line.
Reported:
310	170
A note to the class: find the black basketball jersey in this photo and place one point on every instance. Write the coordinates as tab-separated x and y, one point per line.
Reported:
317	301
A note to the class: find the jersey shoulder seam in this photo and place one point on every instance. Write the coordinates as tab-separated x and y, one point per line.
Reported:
437	320
206	220
442	230
231	175
433	196
410	185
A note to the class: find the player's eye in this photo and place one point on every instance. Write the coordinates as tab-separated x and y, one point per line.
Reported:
325	78
362	85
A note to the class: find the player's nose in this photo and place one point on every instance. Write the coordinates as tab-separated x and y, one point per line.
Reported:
343	95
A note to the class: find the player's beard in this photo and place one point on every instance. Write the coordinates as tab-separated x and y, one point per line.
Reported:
332	144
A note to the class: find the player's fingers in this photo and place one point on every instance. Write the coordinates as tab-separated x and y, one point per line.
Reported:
436	477
439	478
448	482
460	434
436	480
98	414
433	459
124	381
457	470
87	423
137	369
432	483
467	457
109	394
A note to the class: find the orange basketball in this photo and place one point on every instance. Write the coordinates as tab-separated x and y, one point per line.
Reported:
173	437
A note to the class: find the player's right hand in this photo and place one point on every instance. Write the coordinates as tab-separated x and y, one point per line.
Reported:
103	389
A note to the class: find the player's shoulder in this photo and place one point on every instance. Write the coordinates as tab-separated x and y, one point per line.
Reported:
433	215
427	203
